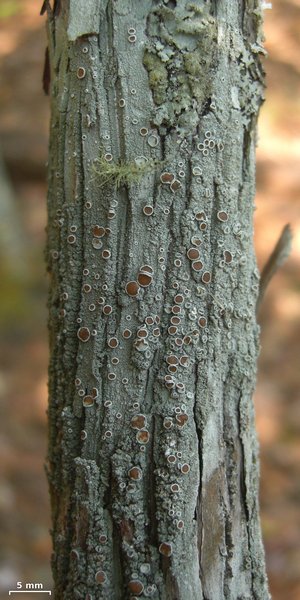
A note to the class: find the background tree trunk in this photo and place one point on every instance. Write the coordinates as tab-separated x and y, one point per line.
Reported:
153	463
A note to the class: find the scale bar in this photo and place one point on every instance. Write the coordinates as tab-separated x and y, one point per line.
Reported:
29	591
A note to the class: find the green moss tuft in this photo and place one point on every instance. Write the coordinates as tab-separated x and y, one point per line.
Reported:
123	173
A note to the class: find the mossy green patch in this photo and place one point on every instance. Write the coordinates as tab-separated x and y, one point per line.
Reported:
158	76
181	78
192	63
123	173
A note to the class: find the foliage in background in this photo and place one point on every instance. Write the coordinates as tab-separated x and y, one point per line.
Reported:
8	8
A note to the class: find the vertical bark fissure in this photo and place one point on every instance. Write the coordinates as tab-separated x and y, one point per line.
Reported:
244	494
198	511
117	555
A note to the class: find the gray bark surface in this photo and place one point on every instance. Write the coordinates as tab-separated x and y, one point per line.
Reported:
153	462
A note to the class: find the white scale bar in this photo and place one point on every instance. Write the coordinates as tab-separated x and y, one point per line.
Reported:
28	591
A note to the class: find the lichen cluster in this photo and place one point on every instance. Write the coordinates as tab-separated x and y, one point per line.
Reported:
178	58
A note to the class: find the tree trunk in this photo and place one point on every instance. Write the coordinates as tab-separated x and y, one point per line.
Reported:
153	464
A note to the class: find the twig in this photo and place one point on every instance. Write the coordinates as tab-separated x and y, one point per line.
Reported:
277	258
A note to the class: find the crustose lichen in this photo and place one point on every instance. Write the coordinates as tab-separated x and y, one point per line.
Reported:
123	173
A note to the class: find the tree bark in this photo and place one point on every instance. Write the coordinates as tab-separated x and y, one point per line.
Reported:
153	463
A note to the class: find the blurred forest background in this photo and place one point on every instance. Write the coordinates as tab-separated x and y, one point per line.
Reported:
24	115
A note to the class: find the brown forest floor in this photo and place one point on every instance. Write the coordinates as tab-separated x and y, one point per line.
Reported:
24	511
